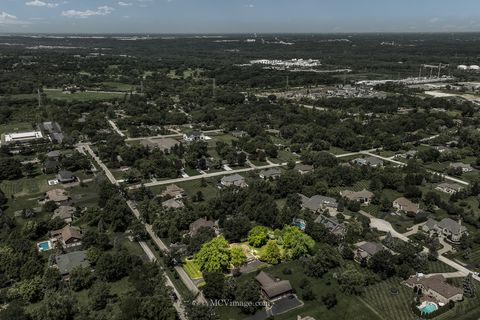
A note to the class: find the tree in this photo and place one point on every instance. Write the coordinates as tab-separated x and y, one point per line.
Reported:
258	236
296	242
81	278
214	285
237	257
468	286
157	307
329	300
200	312
56	305
249	292
3	198
352	281
99	295
383	262
271	253
14	311
325	259
214	255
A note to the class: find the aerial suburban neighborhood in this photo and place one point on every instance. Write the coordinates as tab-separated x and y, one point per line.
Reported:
236	176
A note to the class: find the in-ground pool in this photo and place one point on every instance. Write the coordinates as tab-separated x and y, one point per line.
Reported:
43	246
428	307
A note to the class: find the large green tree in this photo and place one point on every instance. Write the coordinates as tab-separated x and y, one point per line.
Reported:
214	255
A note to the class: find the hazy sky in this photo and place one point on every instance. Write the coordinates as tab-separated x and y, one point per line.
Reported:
238	16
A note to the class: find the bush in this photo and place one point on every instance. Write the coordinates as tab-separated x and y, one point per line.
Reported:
287	271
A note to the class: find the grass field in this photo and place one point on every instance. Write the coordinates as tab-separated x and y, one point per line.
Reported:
15	127
192	269
27	186
392	307
439	267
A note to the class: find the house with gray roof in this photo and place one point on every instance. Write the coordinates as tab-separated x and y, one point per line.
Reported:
199	224
332	224
366	250
65	176
65	213
173	204
319	203
364	196
69	261
368	161
272	173
234	180
461	166
448	228
450	188
303	168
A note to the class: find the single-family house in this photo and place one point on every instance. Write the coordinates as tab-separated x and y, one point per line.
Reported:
163	144
69	261
303	168
436	287
369	161
450	188
174	191
461	166
65	176
272	173
319	203
234	180
273	288
70	238
173	204
366	250
57	195
447	228
194	136
54	155
404	205
198	224
364	196
332	224
65	213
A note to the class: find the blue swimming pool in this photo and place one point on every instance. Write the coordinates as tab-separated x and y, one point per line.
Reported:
43	246
428	308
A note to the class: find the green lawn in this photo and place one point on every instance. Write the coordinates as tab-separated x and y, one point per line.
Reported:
15	127
192	269
439	267
27	186
391	307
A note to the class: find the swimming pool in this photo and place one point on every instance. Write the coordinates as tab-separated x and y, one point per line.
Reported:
43	246
428	307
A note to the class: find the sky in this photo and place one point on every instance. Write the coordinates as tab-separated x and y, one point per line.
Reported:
238	16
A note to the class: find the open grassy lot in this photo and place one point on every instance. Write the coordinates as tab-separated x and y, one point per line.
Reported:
192	269
15	127
439	267
392	307
117	86
27	186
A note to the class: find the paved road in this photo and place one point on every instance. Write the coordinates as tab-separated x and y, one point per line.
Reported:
86	146
446	177
171	135
385	226
208	175
114	126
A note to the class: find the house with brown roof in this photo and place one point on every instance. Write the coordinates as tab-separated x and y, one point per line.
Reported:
57	195
174	191
65	213
70	238
198	224
303	168
435	287
173	204
273	288
364	196
404	205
